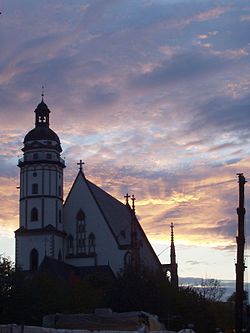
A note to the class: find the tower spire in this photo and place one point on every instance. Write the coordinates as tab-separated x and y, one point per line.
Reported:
172	252
42	94
173	264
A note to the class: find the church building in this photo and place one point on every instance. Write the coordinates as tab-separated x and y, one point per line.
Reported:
90	228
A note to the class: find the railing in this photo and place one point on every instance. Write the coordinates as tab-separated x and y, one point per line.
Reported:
22	160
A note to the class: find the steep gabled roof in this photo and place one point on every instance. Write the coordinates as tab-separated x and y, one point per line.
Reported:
117	215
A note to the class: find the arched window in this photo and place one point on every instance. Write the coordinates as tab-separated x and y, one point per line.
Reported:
80	232
33	260
60	256
34	188
91	244
127	259
70	244
80	216
34	214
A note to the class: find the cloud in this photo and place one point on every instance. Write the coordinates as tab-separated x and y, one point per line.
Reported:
153	97
220	112
180	68
100	96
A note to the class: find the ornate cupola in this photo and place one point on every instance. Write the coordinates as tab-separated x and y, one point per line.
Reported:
42	133
41	194
42	114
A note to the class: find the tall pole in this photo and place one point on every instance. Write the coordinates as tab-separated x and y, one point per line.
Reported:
240	265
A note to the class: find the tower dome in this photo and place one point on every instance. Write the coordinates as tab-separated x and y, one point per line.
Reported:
42	132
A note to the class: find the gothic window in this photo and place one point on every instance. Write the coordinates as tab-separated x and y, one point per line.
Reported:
34	188
91	243
80	232
81	244
34	260
34	174
34	214
80	216
59	191
127	259
35	156
70	244
49	156
81	228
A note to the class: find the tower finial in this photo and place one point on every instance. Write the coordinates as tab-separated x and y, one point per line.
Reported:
42	93
172	232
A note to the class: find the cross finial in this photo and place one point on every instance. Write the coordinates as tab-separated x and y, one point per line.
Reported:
80	164
172	232
126	197
42	92
133	202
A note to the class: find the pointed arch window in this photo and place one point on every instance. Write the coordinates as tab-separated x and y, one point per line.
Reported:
34	214
80	216
60	256
91	243
80	232
70	244
34	260
127	259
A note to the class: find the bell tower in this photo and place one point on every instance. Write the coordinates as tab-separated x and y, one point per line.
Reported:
40	231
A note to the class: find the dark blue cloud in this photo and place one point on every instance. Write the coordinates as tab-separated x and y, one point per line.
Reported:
100	96
225	114
183	67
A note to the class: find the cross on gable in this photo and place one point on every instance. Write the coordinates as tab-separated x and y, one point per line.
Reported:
133	202
126	197
80	165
